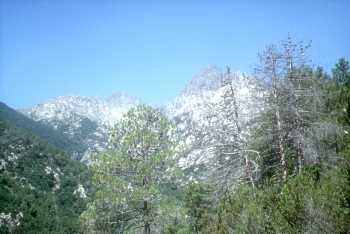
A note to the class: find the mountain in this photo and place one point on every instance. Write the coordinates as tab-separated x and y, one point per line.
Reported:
41	189
41	129
199	114
87	120
209	79
102	111
84	120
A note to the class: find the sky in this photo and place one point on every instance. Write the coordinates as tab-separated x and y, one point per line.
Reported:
150	49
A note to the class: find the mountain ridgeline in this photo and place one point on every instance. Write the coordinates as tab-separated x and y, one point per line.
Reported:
86	121
233	153
41	129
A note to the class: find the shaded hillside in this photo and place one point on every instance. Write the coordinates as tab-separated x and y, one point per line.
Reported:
42	190
43	130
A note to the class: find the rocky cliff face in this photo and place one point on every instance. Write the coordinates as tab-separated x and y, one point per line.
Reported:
200	113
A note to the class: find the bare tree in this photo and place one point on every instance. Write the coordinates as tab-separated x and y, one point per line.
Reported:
293	102
234	161
271	71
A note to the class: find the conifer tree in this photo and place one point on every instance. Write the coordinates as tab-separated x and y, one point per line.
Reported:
128	178
292	103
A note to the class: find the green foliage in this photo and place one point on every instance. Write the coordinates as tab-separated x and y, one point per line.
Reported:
301	205
173	216
136	183
37	183
197	202
129	179
312	199
341	73
316	200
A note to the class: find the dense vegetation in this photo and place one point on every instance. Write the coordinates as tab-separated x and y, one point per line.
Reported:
39	185
130	180
279	162
283	169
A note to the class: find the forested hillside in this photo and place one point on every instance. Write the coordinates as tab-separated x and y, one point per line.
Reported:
45	131
41	189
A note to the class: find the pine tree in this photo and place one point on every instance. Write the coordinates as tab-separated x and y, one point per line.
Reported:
128	179
341	90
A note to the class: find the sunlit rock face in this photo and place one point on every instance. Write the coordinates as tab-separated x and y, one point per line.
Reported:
198	116
103	111
86	120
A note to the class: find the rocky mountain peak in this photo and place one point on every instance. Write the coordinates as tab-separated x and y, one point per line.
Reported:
121	99
209	78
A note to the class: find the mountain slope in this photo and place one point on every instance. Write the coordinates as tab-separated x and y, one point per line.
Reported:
83	120
200	114
87	120
41	129
41	188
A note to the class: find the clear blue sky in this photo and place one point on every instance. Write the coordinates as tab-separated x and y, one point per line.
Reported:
150	49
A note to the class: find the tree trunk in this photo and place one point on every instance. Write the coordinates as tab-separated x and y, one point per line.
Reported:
147	225
247	163
280	145
299	157
281	150
243	145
